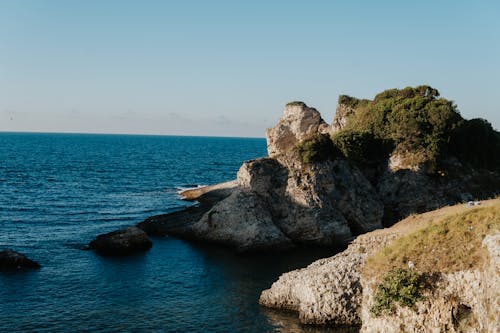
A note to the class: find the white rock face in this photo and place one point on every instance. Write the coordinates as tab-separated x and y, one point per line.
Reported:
464	301
298	122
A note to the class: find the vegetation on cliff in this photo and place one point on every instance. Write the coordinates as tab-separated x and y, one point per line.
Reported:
414	123
399	286
318	148
446	245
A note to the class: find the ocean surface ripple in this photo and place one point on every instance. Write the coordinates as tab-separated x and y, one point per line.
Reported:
59	191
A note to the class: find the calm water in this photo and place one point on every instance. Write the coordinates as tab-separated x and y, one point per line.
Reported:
58	191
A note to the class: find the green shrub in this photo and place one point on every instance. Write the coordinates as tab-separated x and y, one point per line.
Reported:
362	148
401	286
319	148
413	119
353	102
476	142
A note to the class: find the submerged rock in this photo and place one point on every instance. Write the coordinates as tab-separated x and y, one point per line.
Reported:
12	260
121	242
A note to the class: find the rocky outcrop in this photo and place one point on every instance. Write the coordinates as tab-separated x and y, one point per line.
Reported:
463	301
298	122
121	242
280	202
12	260
282	206
329	290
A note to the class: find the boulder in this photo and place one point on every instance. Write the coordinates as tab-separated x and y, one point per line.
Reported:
121	242
12	260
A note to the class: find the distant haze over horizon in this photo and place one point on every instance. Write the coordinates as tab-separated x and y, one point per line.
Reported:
222	68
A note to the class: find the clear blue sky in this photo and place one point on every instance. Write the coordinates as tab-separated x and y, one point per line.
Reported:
228	67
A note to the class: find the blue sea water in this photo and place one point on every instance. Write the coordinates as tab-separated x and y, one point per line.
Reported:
59	191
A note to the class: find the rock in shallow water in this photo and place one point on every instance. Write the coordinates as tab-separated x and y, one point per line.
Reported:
121	242
11	260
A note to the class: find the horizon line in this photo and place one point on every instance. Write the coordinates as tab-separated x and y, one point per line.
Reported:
133	134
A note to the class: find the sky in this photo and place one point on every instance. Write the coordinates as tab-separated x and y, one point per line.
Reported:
226	68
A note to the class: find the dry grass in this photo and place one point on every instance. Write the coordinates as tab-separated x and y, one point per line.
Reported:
446	240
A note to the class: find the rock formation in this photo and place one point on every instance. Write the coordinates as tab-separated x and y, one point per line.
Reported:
12	260
280	202
329	290
121	242
298	123
335	290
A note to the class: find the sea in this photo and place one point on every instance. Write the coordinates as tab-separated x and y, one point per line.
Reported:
59	191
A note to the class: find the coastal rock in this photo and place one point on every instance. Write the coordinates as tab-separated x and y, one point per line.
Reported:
121	242
178	223
284	200
278	207
12	260
336	291
243	222
280	202
463	301
329	290
298	122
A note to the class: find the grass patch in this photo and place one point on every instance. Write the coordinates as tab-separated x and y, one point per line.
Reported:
447	245
399	286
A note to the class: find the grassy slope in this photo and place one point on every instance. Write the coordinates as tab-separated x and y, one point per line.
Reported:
445	240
